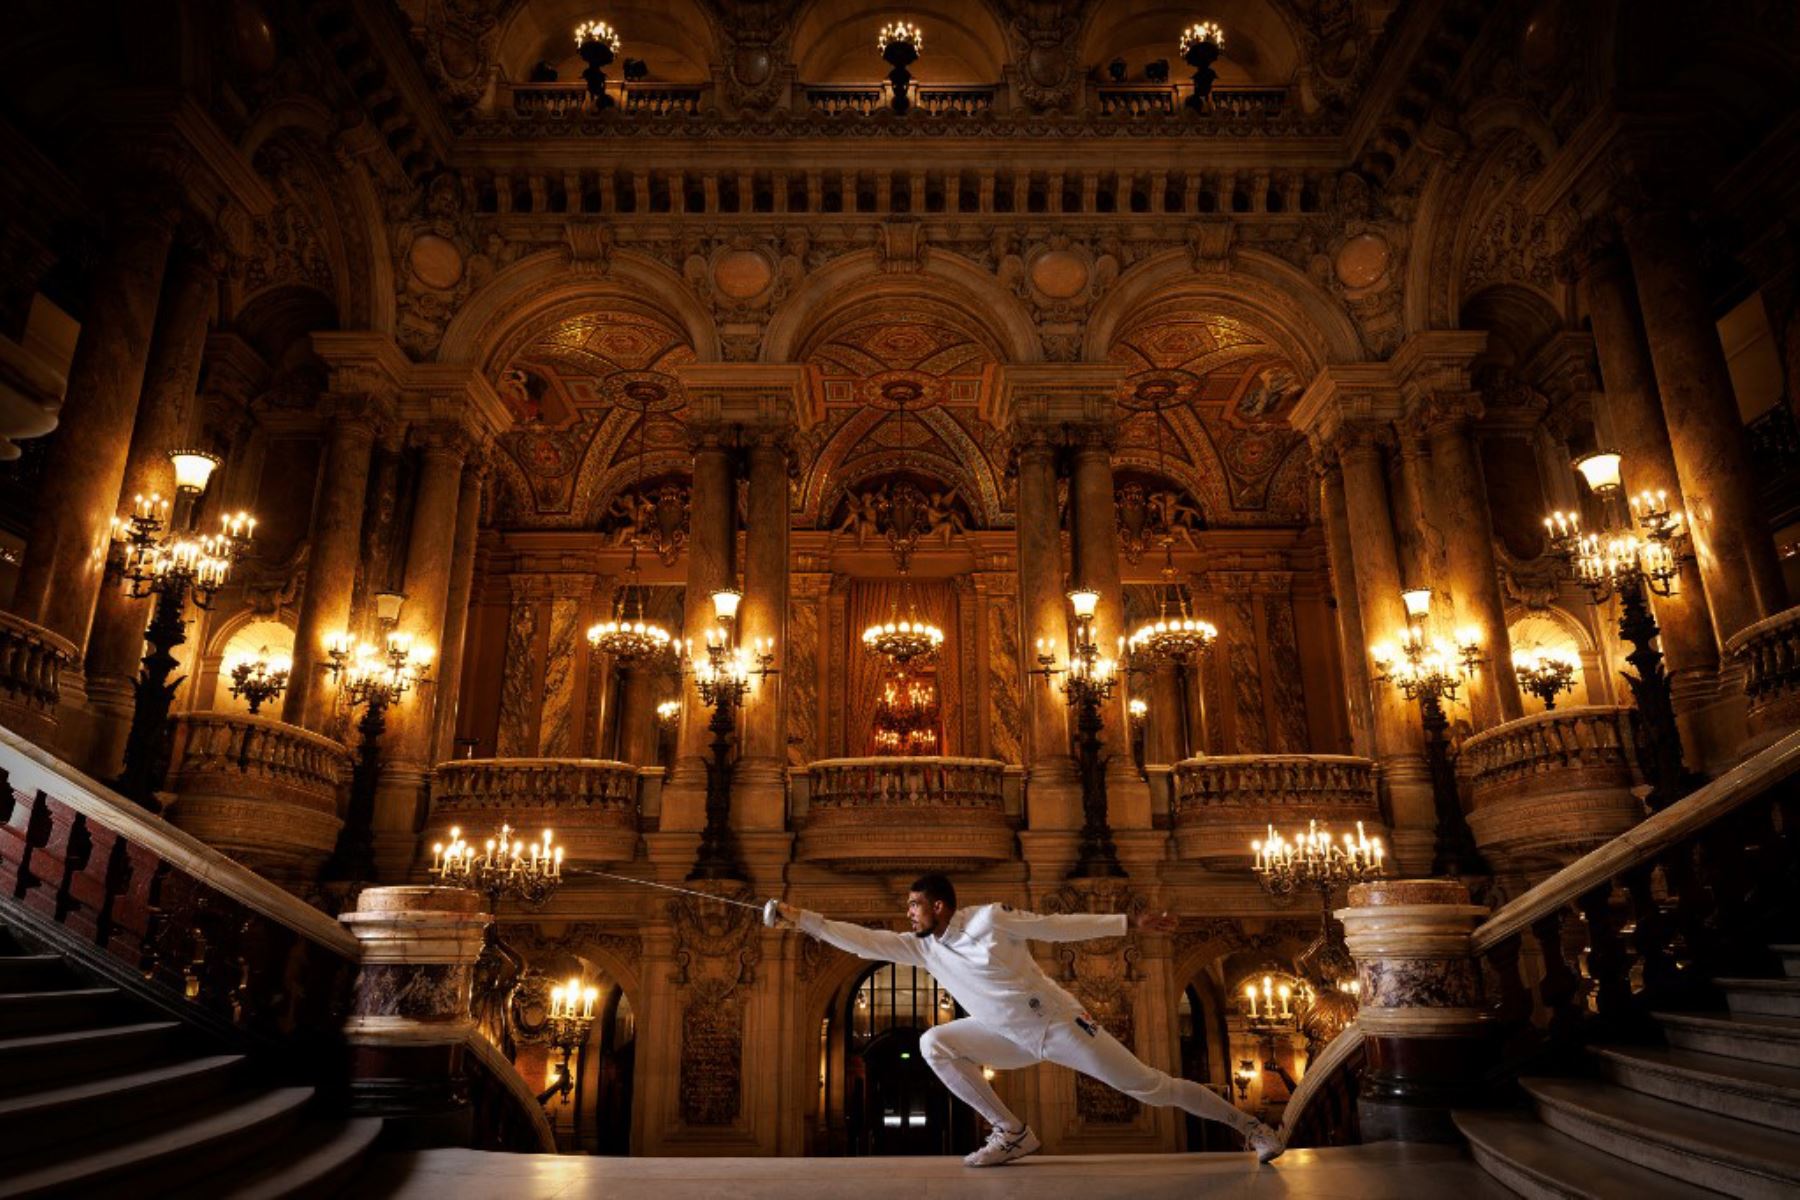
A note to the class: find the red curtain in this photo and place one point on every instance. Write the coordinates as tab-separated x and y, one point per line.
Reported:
873	600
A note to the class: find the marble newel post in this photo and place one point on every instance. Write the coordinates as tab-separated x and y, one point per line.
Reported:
1096	552
758	783
1706	432
65	558
1633	419
409	1017
1428	1034
429	549
1055	791
190	293
711	531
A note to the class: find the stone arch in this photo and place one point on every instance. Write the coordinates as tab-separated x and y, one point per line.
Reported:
972	473
1594	684
1262	41
858	279
537	284
671	36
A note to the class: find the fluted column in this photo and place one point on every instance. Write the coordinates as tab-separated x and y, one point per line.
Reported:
1349	613
65	559
758	783
1641	436
173	373
330	564
456	611
1055	791
1399	739
711	531
1096	550
430	546
1473	577
1731	536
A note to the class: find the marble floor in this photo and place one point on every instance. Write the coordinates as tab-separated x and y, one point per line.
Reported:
1384	1171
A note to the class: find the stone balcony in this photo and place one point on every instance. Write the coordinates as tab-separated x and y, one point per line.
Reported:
1769	654
259	790
1547	788
31	663
591	804
906	814
1222	803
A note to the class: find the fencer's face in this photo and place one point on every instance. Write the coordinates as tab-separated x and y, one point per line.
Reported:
924	914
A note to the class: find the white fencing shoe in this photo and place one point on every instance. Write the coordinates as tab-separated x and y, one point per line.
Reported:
1004	1145
1266	1141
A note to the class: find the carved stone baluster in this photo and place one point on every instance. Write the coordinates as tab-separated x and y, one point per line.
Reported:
1608	962
1559	989
1653	938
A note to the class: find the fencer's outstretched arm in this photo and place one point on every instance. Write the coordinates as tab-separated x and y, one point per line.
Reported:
1060	927
879	944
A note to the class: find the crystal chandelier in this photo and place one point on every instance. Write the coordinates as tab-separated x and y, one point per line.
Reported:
505	867
906	717
1646	546
905	637
627	636
1175	635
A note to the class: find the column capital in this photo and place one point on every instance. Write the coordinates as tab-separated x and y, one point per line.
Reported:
756	396
1438	360
446	441
1346	395
1048	395
1565	367
1446	412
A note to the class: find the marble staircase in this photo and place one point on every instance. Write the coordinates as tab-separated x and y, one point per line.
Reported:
100	1095
1712	1110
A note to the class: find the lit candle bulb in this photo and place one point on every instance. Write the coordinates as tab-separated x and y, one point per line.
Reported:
1250	995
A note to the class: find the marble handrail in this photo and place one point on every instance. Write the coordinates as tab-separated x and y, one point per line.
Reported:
31	662
506	1076
1548	741
925	780
1643	843
1338	1051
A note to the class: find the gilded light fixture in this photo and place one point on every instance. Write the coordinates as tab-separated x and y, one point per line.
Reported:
900	45
1200	45
905	637
627	636
598	44
1545	673
258	678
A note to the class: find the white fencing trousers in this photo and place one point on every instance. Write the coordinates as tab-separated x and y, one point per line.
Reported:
959	1049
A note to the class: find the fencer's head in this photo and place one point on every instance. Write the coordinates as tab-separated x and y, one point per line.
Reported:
930	904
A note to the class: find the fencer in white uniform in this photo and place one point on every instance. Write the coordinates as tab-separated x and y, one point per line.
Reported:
1017	1015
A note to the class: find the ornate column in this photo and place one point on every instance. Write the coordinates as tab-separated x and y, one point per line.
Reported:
1044	609
411	725
758	785
66	557
711	532
1634	412
1731	539
1472	574
170	378
637	718
456	609
331	558
1349	613
409	1015
1096	553
1165	733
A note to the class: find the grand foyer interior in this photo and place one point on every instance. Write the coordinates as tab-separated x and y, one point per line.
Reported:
1272	411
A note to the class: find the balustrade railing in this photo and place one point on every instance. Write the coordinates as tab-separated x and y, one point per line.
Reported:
31	663
1547	788
590	803
955	813
1769	654
1222	802
570	98
1163	99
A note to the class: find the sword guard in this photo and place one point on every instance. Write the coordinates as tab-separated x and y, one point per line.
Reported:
772	913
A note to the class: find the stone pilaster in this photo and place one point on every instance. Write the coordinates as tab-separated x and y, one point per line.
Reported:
1044	608
758	784
456	609
711	533
1355	652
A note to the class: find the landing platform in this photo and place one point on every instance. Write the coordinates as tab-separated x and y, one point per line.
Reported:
1385	1171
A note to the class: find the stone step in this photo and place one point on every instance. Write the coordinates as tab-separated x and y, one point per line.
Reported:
1762	997
320	1162
57	1116
204	1143
1541	1164
68	1055
1700	1148
1774	1040
1790	960
34	972
1733	1087
23	1013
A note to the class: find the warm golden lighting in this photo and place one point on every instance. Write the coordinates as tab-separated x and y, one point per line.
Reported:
725	604
1202	32
193	468
1601	470
903	32
1417	602
1085	602
597	31
506	864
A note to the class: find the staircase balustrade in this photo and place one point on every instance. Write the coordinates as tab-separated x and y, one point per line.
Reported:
1769	654
31	663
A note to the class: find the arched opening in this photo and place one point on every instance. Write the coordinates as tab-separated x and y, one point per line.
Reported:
615	1063
893	1102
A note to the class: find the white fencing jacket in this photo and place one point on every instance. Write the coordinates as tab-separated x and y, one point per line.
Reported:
983	961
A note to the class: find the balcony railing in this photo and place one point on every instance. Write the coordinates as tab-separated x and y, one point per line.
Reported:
1222	803
569	99
1769	653
903	814
1166	99
1547	788
31	663
262	791
590	803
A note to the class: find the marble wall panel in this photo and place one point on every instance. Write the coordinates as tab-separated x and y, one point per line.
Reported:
556	727
518	683
802	671
1285	675
1005	682
1243	664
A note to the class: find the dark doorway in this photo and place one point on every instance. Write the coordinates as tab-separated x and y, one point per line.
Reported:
894	1104
617	1059
1196	1064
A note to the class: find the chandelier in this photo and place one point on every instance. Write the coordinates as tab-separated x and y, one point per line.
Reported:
159	551
905	637
1422	665
258	678
1315	859
906	717
1176	635
627	636
505	867
1646	546
1545	673
375	677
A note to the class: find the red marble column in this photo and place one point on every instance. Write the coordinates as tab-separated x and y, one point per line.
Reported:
1055	792
456	611
711	532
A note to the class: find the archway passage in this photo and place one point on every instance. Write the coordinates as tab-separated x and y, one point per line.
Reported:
893	1103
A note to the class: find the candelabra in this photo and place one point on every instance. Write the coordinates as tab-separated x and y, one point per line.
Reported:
1282	1001
566	1027
906	717
1430	670
1087	684
1545	674
374	680
667	712
598	45
723	677
1637	553
1200	45
158	552
260	677
1316	860
506	867
900	45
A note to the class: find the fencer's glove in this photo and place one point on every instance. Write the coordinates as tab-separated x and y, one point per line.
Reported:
777	915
